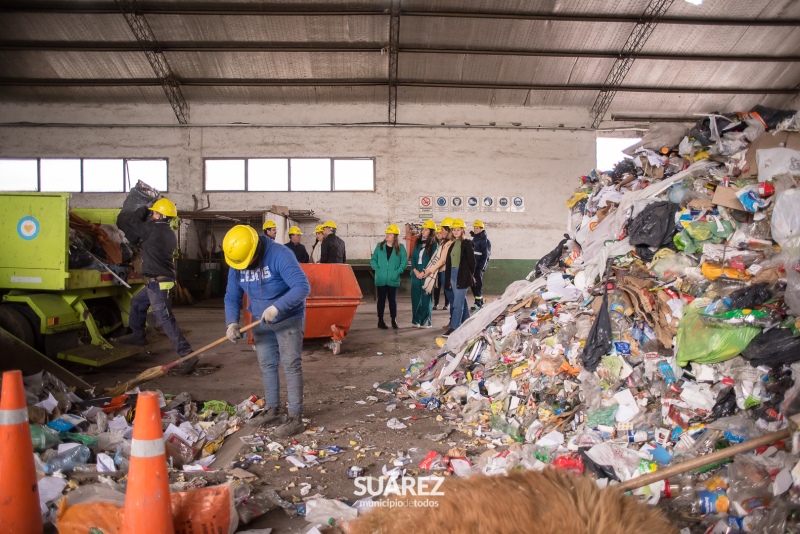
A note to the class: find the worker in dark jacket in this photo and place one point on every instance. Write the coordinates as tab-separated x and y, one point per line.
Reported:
483	251
332	245
158	243
270	229
296	246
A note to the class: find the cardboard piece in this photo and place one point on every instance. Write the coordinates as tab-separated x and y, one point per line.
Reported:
783	139
726	197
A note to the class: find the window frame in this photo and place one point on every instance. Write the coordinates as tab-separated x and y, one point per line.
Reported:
331	160
125	177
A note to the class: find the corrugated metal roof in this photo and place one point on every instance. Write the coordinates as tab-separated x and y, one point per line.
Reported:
349	45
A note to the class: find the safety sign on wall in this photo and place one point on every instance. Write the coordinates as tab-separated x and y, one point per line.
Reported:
442	204
425	203
503	204
517	204
457	203
488	204
473	204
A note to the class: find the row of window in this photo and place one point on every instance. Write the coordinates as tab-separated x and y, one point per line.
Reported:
96	175
289	174
81	175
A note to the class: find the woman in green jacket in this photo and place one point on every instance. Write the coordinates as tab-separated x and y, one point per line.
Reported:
421	307
388	261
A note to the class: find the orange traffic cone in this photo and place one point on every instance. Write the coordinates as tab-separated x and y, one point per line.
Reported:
147	502
19	491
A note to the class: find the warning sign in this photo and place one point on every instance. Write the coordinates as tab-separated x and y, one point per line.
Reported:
457	203
442	204
425	202
503	204
488	204
472	204
517	204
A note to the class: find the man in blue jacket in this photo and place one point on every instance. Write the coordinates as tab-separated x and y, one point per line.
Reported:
483	251
277	288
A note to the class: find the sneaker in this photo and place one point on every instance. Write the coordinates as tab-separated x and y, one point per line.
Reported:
435	306
293	426
446	307
427	326
272	415
446	327
132	339
415	325
449	331
185	368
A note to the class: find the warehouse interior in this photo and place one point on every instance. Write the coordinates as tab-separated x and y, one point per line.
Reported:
369	113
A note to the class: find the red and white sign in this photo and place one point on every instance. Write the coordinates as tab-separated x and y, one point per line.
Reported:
425	202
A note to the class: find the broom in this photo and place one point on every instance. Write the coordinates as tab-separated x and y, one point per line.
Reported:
161	370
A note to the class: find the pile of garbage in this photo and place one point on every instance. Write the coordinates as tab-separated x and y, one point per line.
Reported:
663	326
82	453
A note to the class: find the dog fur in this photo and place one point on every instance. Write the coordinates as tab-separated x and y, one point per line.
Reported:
527	502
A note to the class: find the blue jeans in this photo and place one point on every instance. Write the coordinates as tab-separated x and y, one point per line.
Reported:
153	296
459	311
281	343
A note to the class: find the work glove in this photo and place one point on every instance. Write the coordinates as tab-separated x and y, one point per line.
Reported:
233	332
269	314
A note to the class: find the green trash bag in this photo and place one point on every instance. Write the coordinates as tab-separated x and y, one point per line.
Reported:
702	343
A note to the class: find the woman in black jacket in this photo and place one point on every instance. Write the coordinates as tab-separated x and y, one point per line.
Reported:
458	274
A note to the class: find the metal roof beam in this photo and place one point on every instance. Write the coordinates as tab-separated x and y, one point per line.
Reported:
641	32
245	82
697	21
181	46
131	10
264	9
323	48
394	47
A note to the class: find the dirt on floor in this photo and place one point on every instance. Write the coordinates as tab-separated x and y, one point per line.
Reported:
336	403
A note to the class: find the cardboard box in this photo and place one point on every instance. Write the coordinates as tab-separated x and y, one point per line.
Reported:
726	197
768	140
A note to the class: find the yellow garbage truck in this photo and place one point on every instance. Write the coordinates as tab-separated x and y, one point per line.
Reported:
65	313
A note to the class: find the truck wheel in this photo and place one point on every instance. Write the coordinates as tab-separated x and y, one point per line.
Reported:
15	323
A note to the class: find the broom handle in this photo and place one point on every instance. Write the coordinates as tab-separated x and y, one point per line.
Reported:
211	345
702	461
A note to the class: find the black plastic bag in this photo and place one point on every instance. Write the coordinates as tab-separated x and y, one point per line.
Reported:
750	296
134	209
655	225
626	166
644	253
551	259
599	471
598	343
773	348
772	116
726	406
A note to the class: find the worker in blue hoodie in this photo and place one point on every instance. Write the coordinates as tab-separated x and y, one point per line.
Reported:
277	288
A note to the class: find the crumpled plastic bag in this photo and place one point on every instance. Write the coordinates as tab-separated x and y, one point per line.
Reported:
551	258
702	343
749	296
772	348
625	462
786	216
598	344
791	262
655	225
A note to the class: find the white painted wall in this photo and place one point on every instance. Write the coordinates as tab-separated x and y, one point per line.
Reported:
541	165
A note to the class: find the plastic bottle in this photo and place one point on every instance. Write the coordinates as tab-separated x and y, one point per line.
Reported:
701	502
43	439
500	424
67	460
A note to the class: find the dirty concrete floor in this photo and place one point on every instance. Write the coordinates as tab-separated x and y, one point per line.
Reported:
333	385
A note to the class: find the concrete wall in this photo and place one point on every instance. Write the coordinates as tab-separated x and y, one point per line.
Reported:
541	165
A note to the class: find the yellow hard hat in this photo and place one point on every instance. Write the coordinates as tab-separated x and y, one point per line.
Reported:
239	246
294	230
429	224
330	224
268	225
165	207
458	223
477	223
448	221
392	229
318	229
439	228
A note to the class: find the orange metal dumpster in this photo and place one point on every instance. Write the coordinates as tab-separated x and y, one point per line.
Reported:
331	305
